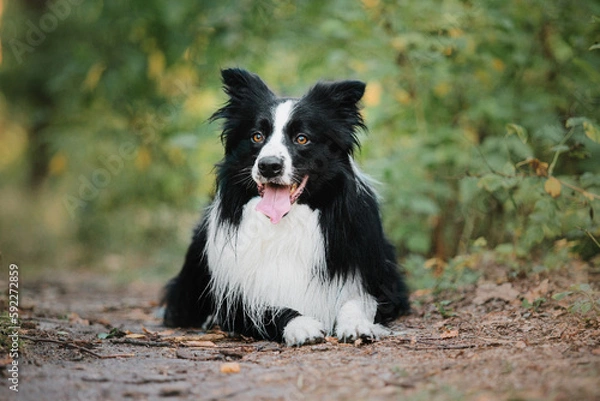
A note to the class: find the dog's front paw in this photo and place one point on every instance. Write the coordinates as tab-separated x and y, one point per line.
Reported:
303	330
353	330
355	320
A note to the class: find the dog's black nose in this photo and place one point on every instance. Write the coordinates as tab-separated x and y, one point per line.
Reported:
270	166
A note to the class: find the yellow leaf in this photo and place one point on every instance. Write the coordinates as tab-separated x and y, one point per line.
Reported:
370	3
156	64
143	159
58	164
93	76
471	134
517	129
14	143
176	155
135	336
201	344
553	187
498	65
455	32
399	43
230	367
591	131
436	263
373	93
403	97
442	89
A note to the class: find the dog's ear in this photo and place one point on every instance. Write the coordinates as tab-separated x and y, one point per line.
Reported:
339	102
243	85
347	93
245	91
340	93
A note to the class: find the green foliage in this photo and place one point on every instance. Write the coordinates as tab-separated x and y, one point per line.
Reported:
444	309
483	120
113	333
535	306
499	139
584	300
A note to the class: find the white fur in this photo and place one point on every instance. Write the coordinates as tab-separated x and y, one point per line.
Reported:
283	266
355	320
276	145
303	329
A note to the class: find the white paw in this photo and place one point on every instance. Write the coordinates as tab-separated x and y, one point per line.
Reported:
303	330
351	330
355	320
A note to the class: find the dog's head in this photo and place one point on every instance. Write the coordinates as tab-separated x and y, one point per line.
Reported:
287	149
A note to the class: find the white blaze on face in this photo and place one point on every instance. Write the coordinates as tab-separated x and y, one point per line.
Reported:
276	145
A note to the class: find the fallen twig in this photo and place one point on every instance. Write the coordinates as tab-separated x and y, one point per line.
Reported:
70	344
439	343
438	347
148	343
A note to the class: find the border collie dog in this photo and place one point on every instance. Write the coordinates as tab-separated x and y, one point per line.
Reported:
291	248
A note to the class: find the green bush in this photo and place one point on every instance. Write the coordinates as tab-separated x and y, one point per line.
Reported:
483	116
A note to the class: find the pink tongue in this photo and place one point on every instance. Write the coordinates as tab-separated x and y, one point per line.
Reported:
275	202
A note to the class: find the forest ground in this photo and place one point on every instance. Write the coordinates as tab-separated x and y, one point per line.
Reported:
84	338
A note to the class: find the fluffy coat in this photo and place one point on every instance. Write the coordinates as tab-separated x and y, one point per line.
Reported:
291	248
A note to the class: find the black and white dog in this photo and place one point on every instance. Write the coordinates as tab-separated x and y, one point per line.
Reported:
291	248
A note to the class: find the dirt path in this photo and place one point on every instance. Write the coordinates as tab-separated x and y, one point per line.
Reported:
95	341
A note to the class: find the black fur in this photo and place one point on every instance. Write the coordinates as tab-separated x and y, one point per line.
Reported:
349	215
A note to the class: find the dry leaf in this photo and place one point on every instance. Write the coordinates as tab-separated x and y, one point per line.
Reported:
540	291
6	361
103	322
204	344
332	340
75	319
541	168
202	337
135	336
145	330
230	367
449	334
553	187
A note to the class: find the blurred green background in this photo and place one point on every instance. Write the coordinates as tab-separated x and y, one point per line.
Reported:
483	122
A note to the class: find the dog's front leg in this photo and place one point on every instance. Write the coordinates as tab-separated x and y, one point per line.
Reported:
303	330
284	325
355	320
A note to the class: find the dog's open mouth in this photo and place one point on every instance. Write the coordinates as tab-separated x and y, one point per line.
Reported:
277	200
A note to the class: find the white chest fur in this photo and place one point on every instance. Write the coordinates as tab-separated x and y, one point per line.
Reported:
276	265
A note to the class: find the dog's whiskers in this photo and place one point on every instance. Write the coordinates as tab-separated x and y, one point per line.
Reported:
244	177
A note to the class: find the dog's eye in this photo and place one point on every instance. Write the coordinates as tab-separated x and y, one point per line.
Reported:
257	137
301	139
